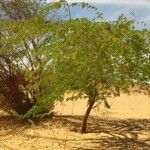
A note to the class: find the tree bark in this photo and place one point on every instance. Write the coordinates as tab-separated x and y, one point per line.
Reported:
84	124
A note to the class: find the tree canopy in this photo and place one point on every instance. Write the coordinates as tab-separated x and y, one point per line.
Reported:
43	56
101	59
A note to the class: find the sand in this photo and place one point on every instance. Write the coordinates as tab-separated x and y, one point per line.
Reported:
123	107
126	126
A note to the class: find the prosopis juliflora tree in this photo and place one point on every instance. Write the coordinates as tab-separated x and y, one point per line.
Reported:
100	59
24	31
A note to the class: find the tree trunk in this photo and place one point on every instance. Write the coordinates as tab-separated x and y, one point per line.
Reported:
84	124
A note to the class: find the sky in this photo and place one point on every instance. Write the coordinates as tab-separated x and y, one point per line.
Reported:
113	8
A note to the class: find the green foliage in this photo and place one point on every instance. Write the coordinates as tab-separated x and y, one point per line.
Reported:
96	59
22	48
100	59
107	56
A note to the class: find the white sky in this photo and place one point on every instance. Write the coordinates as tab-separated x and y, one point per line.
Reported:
114	8
129	2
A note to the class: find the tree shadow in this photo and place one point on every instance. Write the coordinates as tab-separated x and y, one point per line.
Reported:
128	134
102	134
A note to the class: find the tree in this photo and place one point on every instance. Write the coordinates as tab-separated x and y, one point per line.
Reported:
51	56
21	52
27	27
100	59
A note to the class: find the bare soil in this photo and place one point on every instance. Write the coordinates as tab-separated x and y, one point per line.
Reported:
126	126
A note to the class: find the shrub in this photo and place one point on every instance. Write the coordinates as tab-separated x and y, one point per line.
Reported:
14	97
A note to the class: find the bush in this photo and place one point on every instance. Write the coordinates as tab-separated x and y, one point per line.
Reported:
13	96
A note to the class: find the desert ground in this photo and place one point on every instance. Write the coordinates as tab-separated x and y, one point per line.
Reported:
125	126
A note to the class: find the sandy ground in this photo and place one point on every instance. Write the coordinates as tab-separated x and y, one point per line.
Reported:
126	126
123	107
